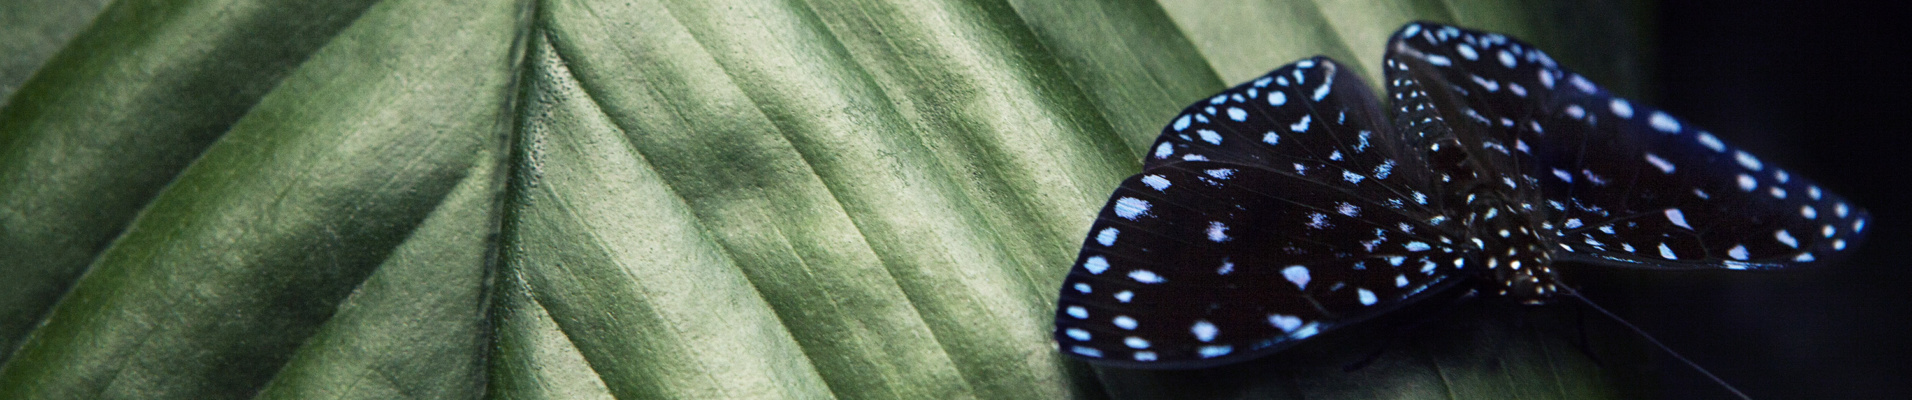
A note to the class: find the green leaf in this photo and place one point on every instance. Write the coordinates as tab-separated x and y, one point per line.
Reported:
649	198
374	163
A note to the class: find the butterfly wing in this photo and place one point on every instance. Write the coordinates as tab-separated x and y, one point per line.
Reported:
1623	183
1272	212
1203	263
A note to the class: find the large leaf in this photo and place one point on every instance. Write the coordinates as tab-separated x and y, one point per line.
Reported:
652	198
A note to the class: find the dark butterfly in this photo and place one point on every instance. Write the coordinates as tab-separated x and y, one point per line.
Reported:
1293	205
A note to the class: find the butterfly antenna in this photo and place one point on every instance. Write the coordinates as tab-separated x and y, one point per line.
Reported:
1656	342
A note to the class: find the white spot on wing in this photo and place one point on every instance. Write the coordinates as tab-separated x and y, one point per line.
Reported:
1321	92
1738	252
1124	322
1488	84
1086	351
1077	334
1302	125
1107	236
1620	107
1237	114
1131	208
1663	123
1747	183
1277	98
1307	330
1164	150
1746	160
1157	182
1145	276
1136	342
1466	51
1297	274
1786	238
1204	330
1287	323
1210	136
1217	232
1214	351
1707	139
1661	163
1677	218
1667	252
1318	221
1181	123
1095	264
1587	86
1077	311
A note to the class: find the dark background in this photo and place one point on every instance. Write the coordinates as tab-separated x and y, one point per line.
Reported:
1823	88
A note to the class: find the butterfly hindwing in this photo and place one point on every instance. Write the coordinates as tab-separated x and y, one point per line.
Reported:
1622	183
1202	263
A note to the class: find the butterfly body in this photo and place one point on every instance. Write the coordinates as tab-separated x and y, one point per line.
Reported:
1295	204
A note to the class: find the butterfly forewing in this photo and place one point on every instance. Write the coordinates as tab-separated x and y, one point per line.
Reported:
1621	182
1314	119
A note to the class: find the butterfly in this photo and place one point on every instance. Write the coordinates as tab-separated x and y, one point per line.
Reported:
1293	205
